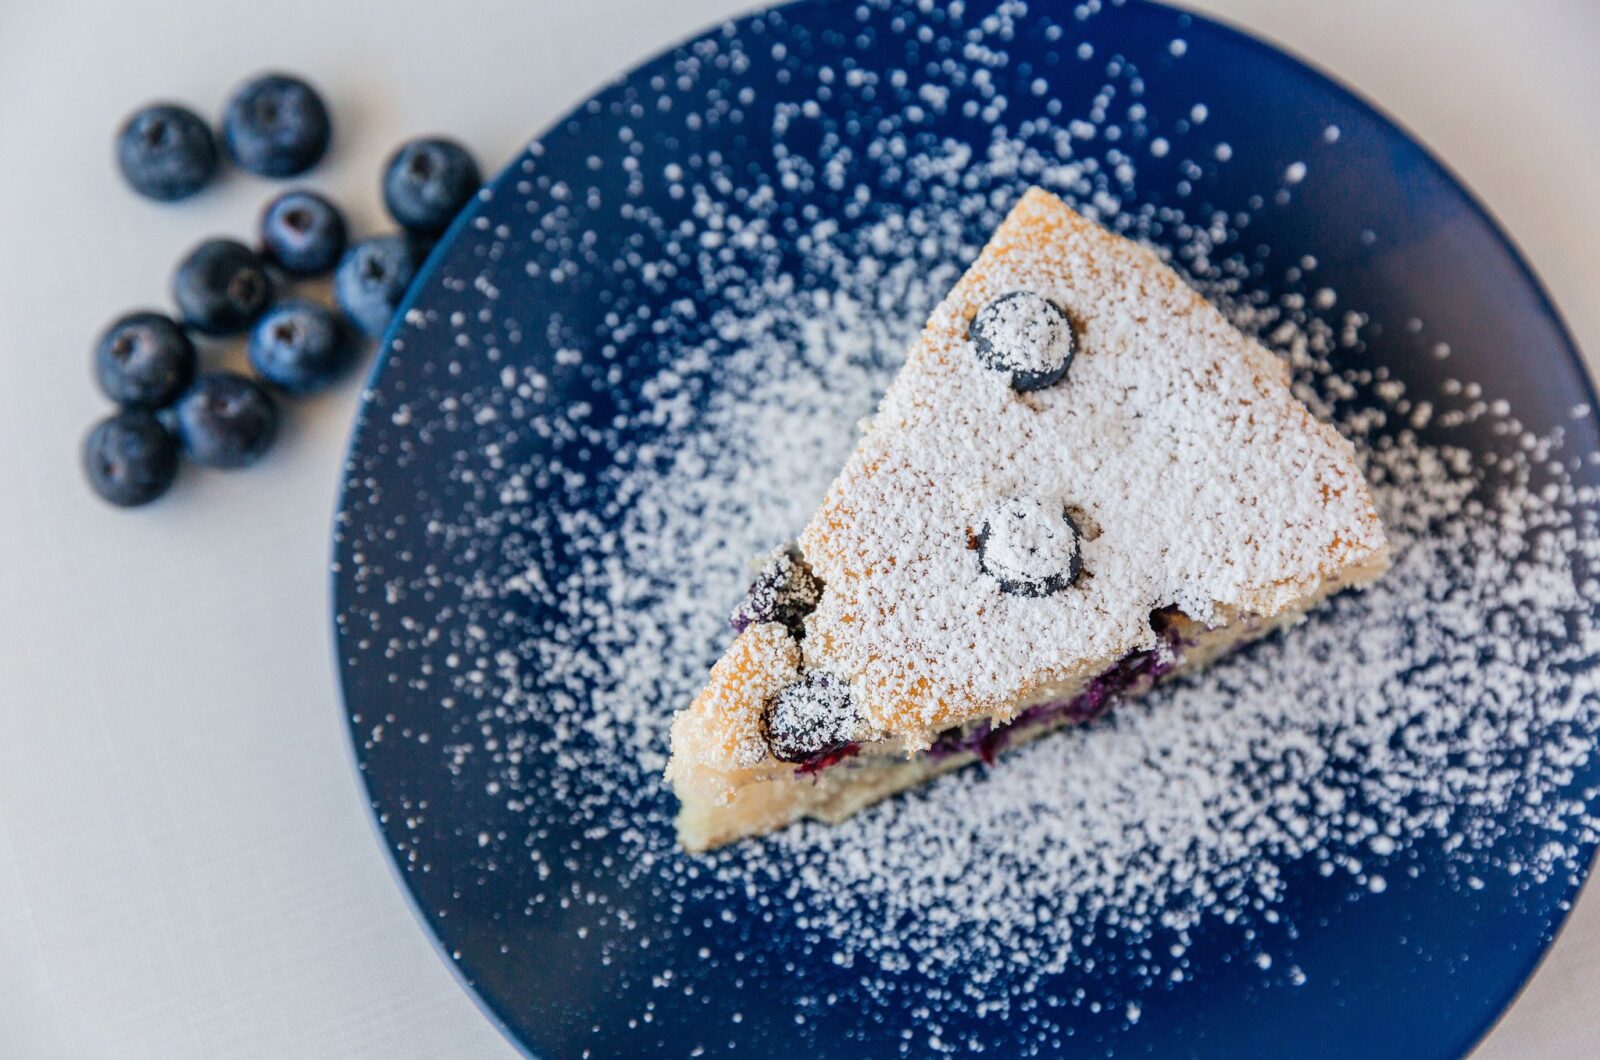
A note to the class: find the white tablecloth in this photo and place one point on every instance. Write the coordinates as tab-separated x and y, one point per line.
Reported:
186	867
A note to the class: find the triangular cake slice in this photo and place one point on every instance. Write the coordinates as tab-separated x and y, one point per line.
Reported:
1082	481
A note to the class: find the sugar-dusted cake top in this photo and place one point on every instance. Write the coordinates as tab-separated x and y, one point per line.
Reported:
1003	527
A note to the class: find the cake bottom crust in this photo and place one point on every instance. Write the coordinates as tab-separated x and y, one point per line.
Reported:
853	781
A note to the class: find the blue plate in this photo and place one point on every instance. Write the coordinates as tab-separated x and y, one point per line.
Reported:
476	431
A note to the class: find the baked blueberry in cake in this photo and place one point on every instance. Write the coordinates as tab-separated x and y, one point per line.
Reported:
784	591
1029	546
1026	336
1082	482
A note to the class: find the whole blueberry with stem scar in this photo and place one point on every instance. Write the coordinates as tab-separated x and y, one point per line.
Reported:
130	459
144	361
427	182
276	125
300	347
302	233
221	287
226	420
372	278
166	152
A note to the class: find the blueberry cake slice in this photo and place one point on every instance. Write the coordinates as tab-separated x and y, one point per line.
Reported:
1082	482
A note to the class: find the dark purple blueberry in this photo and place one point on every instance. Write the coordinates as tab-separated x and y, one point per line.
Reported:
221	287
144	361
427	182
371	280
784	591
302	233
130	458
300	347
831	757
226	420
276	126
809	718
166	152
1027	337
1029	546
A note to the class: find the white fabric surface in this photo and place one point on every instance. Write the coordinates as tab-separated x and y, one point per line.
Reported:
186	867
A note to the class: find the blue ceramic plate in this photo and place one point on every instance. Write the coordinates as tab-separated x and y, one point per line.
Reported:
705	273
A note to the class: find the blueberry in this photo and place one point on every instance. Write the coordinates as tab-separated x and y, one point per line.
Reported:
1026	336
130	458
302	233
220	287
144	361
371	280
276	126
784	591
1030	547
300	347
427	182
226	420
166	152
809	717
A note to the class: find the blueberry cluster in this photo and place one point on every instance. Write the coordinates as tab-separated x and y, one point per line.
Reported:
149	363
274	126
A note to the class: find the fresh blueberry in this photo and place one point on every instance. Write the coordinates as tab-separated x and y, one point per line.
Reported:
1029	546
427	182
130	458
276	126
809	718
144	361
300	347
226	420
372	279
302	233
1026	336
784	591
166	152
220	287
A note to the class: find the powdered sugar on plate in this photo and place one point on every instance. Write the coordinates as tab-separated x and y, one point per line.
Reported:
565	605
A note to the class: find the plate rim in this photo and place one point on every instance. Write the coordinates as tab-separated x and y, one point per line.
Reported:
1261	43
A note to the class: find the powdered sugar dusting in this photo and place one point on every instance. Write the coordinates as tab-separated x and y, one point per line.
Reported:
1212	490
564	606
